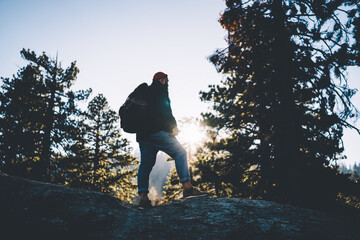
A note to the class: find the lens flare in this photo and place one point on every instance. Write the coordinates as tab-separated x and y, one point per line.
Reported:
191	134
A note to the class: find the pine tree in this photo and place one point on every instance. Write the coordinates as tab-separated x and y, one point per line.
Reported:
74	167
22	122
224	167
39	112
61	106
285	100
101	159
172	189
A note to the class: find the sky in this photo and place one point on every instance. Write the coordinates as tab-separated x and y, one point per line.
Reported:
118	44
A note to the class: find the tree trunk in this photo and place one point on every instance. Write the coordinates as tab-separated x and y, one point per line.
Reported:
96	156
45	160
285	147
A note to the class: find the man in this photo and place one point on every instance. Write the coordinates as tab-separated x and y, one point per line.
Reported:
159	135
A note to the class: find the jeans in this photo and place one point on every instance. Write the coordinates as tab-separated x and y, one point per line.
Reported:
150	146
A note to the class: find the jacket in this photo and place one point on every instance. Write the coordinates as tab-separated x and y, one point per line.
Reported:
160	117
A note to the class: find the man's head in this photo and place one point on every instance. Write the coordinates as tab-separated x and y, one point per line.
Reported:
161	77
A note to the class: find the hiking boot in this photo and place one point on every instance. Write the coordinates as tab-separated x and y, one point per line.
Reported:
194	192
145	204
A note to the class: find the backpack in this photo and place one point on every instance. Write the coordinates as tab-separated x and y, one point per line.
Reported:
133	113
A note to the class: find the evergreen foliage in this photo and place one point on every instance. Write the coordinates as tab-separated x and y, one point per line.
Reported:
39	113
45	136
101	158
284	100
172	188
22	122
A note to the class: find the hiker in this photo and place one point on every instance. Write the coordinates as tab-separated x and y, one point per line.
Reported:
159	135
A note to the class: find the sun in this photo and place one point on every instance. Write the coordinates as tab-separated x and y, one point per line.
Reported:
191	134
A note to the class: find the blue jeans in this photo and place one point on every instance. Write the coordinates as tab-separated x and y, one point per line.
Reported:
150	146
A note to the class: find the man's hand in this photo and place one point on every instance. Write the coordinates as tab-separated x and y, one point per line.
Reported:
175	131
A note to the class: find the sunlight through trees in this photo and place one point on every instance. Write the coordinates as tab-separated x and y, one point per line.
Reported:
284	100
44	135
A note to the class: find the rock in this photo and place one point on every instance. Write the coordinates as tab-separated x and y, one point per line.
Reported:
35	210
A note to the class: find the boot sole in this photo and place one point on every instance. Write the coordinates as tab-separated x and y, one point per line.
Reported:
195	196
143	208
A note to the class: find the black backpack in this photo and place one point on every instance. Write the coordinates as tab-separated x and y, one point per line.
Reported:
133	113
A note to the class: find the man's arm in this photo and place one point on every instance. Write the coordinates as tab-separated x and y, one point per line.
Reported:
164	112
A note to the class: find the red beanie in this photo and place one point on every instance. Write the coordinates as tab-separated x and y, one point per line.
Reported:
159	75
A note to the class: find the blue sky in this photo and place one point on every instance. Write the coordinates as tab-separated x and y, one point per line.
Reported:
118	44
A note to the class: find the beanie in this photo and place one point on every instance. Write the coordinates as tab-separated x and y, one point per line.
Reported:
159	75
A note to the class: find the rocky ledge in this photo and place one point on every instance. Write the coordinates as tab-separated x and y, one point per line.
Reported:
35	210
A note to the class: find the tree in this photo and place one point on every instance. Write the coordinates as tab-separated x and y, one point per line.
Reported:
285	100
172	188
39	112
101	158
22	122
61	107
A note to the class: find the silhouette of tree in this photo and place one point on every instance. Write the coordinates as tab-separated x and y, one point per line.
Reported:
45	136
61	108
38	116
353	170
101	158
284	99
22	122
172	188
225	166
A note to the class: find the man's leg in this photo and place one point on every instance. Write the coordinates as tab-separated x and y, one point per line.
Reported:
173	148
169	144
147	161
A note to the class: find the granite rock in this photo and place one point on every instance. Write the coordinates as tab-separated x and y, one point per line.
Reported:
36	210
